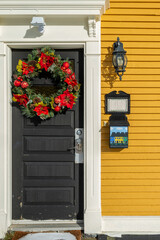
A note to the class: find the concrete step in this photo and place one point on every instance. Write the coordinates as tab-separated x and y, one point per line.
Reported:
55	227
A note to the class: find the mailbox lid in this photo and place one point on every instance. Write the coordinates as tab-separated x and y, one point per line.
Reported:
118	120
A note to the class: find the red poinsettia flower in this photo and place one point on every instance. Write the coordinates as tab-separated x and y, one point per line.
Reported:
20	79
57	109
41	110
22	99
26	68
71	81
57	100
24	84
68	71
45	61
73	76
67	99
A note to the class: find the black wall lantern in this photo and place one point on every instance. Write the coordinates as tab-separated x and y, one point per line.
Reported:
119	59
118	104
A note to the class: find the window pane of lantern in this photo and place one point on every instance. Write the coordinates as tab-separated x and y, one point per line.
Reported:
125	60
117	105
114	61
120	61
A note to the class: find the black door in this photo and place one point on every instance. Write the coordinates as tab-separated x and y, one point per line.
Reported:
47	183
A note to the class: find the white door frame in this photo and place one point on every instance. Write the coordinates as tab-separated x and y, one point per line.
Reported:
71	24
92	125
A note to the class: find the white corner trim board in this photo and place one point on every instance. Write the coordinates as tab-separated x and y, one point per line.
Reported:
56	7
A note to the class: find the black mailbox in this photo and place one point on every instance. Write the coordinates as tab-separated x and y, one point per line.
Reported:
118	104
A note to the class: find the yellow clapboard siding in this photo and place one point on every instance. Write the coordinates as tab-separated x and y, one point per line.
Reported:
128	162
125	156
131	177
137	142
131	195
129	18
151	65
134	58
135	5
131	182
125	38
130	189
122	11
130	169
130	25
129	213
130	209
136	70
134	52
133	202
132	44
135	1
131	149
133	78
129	84
132	90
119	31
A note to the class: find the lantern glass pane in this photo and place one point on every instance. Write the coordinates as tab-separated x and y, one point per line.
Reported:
117	105
120	61
114	61
125	60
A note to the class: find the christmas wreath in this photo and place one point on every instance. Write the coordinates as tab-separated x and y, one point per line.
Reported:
44	102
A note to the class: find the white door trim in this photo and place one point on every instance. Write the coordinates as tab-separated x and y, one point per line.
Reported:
92	125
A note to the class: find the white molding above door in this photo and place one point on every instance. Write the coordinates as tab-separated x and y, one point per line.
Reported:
53	7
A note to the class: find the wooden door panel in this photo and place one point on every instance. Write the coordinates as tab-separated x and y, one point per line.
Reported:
47	184
56	170
58	195
67	122
48	144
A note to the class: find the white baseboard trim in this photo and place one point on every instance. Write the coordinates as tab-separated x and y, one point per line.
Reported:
115	226
3	221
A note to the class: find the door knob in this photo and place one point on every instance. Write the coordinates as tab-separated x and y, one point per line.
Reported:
78	146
